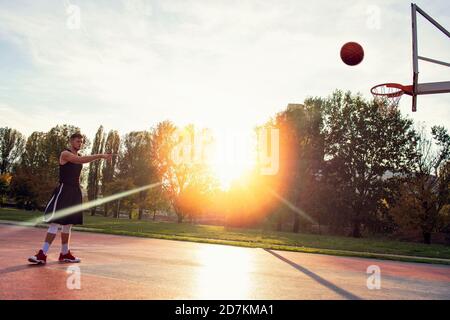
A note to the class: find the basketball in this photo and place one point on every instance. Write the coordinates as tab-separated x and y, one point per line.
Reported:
352	53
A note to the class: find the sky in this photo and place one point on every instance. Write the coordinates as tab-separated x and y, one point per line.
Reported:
129	64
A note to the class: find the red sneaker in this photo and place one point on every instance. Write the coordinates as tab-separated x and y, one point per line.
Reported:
68	257
39	258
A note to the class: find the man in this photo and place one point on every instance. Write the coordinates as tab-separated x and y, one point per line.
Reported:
66	195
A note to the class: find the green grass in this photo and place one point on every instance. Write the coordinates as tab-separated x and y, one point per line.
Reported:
366	247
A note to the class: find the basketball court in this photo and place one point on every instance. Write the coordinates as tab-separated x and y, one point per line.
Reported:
120	267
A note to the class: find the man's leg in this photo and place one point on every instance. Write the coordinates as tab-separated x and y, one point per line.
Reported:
41	256
65	255
51	234
65	238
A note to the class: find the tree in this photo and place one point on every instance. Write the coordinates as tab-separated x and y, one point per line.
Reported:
424	194
157	201
163	144
136	164
301	155
24	189
112	145
94	175
11	148
363	144
189	202
183	178
34	157
126	204
5	181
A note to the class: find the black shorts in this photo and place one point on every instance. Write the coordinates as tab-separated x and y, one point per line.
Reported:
64	196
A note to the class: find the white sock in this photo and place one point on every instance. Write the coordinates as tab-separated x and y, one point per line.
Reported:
45	247
64	248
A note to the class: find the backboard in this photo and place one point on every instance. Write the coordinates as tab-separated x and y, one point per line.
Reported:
393	91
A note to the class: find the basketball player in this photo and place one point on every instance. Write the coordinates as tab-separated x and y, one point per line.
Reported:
67	194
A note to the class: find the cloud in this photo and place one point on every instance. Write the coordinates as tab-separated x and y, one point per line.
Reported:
134	63
25	122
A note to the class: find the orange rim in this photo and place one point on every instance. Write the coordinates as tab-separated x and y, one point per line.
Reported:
388	90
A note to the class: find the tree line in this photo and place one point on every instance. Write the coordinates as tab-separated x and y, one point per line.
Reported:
346	166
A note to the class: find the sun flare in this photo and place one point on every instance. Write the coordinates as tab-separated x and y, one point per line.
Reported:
233	155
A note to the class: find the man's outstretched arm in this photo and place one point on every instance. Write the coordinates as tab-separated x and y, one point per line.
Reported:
70	157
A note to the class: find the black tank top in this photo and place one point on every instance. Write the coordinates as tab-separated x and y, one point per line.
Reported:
69	173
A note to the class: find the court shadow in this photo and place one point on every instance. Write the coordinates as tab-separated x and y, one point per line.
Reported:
342	292
25	267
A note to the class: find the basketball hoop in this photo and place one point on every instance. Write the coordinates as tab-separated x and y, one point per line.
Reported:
388	95
389	92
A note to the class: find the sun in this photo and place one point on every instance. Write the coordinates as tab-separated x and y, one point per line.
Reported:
233	154
226	174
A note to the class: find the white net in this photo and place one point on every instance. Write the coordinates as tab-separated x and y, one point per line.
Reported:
387	93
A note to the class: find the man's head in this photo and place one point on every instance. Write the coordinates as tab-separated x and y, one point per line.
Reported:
76	141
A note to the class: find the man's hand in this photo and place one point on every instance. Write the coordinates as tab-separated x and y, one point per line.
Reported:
107	156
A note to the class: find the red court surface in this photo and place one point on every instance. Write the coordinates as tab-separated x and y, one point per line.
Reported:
120	267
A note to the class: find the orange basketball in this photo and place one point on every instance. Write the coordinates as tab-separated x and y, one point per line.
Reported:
352	53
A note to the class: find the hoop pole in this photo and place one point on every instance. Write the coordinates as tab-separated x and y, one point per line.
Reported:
415	55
